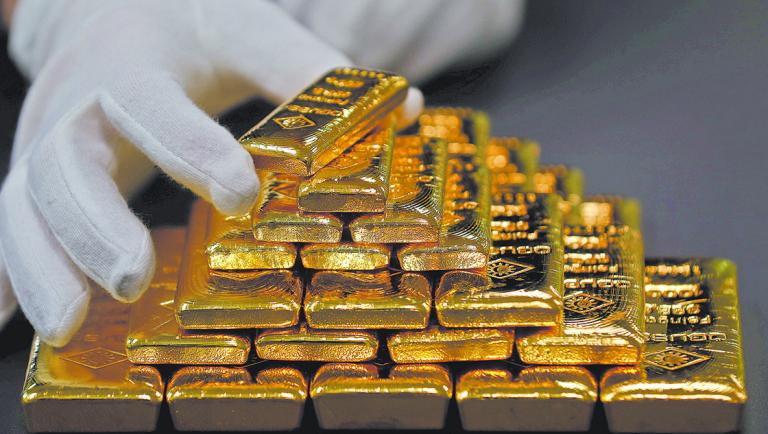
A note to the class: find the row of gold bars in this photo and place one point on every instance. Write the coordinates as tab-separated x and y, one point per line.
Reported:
416	251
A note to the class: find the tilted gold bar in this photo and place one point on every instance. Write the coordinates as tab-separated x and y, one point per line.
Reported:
276	216
208	299
231	246
565	181
522	283
355	181
692	375
154	336
306	133
89	384
358	396
414	207
536	398
215	398
512	162
437	344
345	256
606	209
455	124
304	344
384	299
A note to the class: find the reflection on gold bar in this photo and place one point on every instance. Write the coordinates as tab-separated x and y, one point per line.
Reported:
512	162
304	344
385	299
603	301
437	344
414	207
345	256
604	210
522	283
455	124
356	181
89	384
565	181
231	246
208	299
541	398
154	336
276	215
358	396
692	375
306	133
231	399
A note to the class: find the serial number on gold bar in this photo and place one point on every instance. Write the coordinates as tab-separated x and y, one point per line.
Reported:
437	344
512	162
455	125
306	133
304	344
565	181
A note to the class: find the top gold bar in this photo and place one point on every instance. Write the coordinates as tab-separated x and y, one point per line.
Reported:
304	134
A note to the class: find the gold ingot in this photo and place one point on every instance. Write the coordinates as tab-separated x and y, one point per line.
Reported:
604	210
154	336
385	299
208	299
215	398
358	396
460	125
304	344
541	398
565	181
276	216
89	384
414	207
522	283
356	181
231	246
345	256
692	375
306	133
437	344
512	162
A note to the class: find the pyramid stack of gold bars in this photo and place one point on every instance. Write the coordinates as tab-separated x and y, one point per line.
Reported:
381	275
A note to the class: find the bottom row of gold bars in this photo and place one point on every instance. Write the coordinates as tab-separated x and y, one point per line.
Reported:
565	285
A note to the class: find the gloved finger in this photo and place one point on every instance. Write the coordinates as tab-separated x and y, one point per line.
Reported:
158	117
50	289
77	197
411	108
8	302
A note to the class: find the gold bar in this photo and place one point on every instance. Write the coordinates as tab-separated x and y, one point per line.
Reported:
437	344
359	396
304	344
522	283
89	384
276	216
355	181
154	336
535	398
231	246
306	133
208	299
345	256
385	299
215	398
414	207
512	162
455	124
565	181
606	209
692	375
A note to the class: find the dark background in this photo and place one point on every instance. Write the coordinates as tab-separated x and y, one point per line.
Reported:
664	101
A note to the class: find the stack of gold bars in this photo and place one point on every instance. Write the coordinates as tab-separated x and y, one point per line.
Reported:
381	275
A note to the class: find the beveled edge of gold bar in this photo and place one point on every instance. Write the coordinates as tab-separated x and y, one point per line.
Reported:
589	350
345	256
189	348
437	344
512	162
302	343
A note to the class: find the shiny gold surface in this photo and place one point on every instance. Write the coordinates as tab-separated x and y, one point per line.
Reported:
232	399
522	283
306	133
345	256
565	181
302	343
231	246
540	398
359	396
603	210
89	384
512	162
437	344
228	299
355	181
455	124
154	336
692	375
276	216
414	208
384	299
